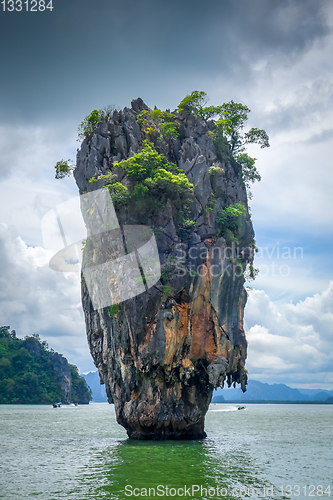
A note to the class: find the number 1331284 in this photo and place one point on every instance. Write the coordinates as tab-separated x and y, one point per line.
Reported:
26	5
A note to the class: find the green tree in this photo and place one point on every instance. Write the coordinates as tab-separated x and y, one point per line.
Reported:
119	193
86	127
231	124
249	172
229	131
168	131
78	384
63	169
195	103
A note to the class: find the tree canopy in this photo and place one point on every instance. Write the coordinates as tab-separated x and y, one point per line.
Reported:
234	115
63	169
229	128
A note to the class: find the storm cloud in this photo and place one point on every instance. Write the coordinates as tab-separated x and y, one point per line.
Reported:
274	56
58	63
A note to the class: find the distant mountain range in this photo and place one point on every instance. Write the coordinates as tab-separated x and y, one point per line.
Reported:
97	390
257	391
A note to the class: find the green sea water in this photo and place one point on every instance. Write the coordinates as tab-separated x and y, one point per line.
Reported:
265	451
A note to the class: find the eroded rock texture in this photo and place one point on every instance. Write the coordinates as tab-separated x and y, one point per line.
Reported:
163	353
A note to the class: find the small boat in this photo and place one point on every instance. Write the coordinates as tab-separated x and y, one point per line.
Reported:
241	408
56	405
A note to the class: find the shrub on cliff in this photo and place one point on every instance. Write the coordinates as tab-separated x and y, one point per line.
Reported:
249	172
63	169
160	127
229	219
153	180
86	127
233	117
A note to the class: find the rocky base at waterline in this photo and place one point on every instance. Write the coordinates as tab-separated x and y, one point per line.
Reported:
161	353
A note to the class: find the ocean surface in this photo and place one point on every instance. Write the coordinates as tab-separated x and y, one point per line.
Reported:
265	451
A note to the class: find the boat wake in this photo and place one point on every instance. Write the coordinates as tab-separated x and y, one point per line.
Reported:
231	408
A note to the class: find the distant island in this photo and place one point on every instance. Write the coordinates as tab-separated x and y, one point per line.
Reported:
259	392
31	373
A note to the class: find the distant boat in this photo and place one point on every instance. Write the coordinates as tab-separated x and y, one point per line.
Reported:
241	408
56	405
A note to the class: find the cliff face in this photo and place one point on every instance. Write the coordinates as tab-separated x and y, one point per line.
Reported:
73	386
163	352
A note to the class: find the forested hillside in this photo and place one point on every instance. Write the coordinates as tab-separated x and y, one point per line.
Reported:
32	373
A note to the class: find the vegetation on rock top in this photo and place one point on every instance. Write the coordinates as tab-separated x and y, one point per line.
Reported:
86	127
160	128
152	181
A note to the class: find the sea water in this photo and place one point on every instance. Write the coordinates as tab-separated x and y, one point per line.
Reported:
265	451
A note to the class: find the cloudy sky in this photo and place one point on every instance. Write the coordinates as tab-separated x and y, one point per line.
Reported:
272	55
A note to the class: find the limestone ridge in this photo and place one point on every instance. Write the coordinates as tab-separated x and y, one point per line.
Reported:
62	368
162	354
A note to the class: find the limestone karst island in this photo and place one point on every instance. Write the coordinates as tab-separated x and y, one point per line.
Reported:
31	373
186	176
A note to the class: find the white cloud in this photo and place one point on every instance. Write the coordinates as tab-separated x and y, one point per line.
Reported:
35	299
26	149
28	187
291	343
